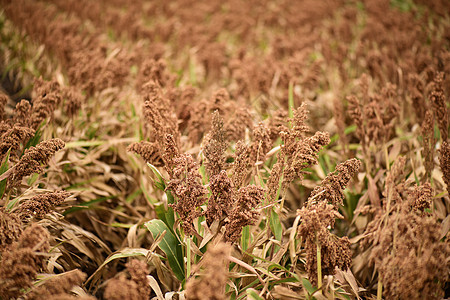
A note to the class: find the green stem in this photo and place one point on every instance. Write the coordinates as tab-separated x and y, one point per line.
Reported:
291	99
379	289
188	255
319	265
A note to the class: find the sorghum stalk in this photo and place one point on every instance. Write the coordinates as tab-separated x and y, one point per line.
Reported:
319	265
379	289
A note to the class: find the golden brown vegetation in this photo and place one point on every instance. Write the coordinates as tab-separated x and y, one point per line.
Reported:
285	149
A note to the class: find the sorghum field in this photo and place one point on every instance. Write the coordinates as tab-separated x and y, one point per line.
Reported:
257	149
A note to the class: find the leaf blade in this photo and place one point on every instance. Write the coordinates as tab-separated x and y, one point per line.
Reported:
169	245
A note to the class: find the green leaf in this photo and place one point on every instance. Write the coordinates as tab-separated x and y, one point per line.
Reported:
276	227
166	215
308	286
161	213
121	225
11	204
245	239
291	99
188	257
170	214
34	140
252	294
160	183
169	245
350	129
341	293
3	169
32	179
133	195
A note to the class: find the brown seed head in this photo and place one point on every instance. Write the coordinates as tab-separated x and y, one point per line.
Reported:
185	185
138	271
121	289
439	105
240	165
354	108
22	113
212	280
428	143
148	151
421	197
444	161
58	286
407	269
40	205
261	143
215	146
12	137
339	119
243	212
222	195
10	228
237	124
304	156
332	187
33	159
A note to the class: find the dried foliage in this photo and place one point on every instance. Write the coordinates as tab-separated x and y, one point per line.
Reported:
213	96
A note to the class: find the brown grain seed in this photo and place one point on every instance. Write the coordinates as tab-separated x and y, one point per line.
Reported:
58	286
331	190
214	146
240	165
12	138
40	205
33	160
222	195
244	211
438	102
444	161
148	151
428	143
213	278
10	228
